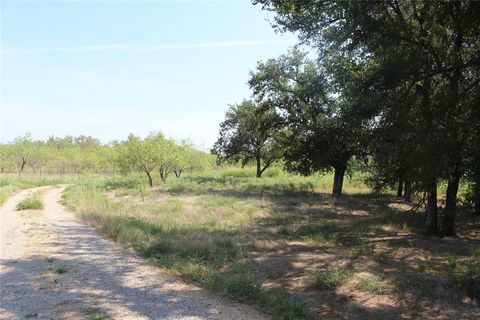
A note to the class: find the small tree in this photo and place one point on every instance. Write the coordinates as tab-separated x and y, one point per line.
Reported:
23	150
7	159
169	155
322	136
142	154
188	158
250	133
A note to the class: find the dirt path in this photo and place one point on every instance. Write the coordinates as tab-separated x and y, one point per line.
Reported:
54	267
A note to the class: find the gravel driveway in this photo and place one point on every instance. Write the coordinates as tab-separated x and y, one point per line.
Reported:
54	267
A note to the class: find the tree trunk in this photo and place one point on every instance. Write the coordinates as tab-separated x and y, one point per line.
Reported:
178	173
476	206
400	185
454	179
163	170
150	180
259	167
431	212
338	180
451	205
476	199
407	195
24	162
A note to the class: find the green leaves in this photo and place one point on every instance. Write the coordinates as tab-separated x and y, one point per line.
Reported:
250	133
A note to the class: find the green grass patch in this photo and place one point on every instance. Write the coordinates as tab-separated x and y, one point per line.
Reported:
330	279
316	233
30	203
476	254
373	284
61	270
244	287
95	314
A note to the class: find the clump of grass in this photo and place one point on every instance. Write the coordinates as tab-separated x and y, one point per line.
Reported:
282	219
424	267
95	314
316	233
476	254
284	306
241	286
330	279
452	262
244	287
121	183
61	270
373	284
30	203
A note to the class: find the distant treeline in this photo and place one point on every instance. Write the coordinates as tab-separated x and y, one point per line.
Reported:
85	154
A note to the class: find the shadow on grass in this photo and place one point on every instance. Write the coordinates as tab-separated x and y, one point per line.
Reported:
32	287
218	261
348	228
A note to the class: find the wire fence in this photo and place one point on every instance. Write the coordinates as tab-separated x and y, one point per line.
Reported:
52	174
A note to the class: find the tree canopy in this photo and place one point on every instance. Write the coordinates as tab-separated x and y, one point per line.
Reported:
250	133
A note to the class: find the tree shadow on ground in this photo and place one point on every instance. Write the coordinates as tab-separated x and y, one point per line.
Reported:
313	231
85	275
385	240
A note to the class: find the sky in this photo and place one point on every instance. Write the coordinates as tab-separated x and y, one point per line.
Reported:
110	68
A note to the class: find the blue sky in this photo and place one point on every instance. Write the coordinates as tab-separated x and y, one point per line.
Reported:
108	68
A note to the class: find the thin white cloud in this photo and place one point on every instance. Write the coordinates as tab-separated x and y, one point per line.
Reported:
147	47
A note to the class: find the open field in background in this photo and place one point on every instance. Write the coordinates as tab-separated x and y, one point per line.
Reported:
285	245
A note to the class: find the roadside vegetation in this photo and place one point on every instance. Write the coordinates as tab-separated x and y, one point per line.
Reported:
284	244
32	202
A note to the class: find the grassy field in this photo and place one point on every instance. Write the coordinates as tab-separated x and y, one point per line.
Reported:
283	244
